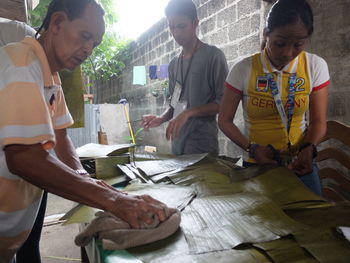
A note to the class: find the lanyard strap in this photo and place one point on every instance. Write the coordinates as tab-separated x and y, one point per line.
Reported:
180	63
286	118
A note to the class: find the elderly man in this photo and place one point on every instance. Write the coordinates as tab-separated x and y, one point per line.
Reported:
34	112
15	31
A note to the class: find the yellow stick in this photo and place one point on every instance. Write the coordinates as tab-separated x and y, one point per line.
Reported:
129	124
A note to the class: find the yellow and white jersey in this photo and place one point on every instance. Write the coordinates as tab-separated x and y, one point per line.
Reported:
32	106
263	123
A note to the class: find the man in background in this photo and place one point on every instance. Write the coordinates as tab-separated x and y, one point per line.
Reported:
196	81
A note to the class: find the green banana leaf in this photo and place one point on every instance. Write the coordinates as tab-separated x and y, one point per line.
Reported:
258	214
106	167
286	250
73	89
173	196
216	223
325	245
94	150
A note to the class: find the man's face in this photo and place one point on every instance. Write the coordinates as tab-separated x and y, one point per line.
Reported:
76	39
183	29
285	43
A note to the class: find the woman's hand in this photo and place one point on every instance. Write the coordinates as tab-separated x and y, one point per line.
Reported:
303	164
264	155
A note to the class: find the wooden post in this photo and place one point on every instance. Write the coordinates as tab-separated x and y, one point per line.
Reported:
102	137
14	10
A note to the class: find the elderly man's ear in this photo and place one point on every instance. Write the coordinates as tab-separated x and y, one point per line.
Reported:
57	19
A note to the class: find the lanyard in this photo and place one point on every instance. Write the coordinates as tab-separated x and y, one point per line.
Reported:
180	63
286	118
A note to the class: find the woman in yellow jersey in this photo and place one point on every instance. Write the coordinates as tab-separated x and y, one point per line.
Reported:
278	86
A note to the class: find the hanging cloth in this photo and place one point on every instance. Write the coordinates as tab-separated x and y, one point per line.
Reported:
153	72
164	73
139	75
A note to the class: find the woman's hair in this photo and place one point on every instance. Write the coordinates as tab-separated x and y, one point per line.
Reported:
181	8
73	9
286	12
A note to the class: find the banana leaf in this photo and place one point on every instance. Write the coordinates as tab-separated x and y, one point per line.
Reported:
80	214
322	240
106	167
217	223
154	167
285	250
73	89
174	249
133	172
235	212
173	196
278	184
94	150
116	180
326	246
146	156
324	217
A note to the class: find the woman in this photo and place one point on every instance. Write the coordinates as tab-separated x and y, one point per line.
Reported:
278	87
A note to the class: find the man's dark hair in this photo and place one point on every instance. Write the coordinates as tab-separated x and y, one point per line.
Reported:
286	12
181	8
73	9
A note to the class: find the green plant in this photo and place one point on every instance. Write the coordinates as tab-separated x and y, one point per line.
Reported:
138	136
161	88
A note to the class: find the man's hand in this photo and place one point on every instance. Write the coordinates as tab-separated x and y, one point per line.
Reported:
264	155
176	124
151	121
303	164
136	210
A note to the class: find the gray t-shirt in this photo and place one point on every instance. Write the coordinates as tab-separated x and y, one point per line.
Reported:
204	84
13	31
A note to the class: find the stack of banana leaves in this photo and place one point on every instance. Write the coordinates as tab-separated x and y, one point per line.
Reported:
230	214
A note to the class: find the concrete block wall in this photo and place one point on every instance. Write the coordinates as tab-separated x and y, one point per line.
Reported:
232	25
331	40
236	27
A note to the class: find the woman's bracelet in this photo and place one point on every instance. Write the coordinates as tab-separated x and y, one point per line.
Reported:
307	144
251	149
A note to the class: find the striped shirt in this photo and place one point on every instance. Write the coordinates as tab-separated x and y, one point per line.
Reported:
263	123
32	106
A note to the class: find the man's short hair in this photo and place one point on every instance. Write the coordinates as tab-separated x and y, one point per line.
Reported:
181	8
73	9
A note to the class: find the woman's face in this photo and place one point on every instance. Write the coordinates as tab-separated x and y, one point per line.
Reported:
285	43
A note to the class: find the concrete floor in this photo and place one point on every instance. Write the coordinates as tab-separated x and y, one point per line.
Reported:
57	241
